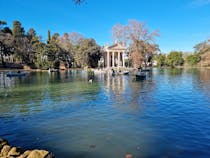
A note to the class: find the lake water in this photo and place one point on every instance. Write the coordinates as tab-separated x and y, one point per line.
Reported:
165	116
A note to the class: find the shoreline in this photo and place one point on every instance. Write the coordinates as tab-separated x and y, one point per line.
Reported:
6	150
34	70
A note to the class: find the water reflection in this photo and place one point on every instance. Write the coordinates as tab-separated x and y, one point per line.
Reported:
174	71
40	91
165	115
115	84
5	82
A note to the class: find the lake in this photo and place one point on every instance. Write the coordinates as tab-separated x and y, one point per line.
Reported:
165	116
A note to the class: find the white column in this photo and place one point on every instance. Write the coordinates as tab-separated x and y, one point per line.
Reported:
107	61
112	59
123	59
118	59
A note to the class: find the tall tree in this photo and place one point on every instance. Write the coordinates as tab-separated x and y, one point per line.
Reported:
48	37
68	49
31	34
203	49
120	33
6	42
75	37
55	53
88	53
142	42
6	45
23	49
18	30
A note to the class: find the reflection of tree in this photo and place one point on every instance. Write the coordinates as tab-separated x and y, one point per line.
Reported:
141	93
127	94
174	71
24	97
204	76
5	82
40	92
203	81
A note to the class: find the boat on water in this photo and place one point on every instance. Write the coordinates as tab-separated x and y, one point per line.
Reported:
140	77
16	74
125	72
114	73
52	70
146	70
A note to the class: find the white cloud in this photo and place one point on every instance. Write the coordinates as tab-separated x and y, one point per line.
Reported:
200	3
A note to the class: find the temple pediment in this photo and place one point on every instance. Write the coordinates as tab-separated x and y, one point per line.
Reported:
116	46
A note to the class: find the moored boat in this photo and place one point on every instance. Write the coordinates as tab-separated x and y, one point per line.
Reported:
125	72
16	74
141	77
52	70
146	70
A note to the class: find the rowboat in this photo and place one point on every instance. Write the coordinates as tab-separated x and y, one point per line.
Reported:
16	74
140	76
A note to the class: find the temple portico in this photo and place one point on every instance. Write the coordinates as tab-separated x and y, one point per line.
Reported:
114	56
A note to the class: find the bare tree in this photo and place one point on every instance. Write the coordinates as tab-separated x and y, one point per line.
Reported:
75	37
142	42
120	33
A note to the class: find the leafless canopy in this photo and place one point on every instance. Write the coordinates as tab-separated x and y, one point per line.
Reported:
140	39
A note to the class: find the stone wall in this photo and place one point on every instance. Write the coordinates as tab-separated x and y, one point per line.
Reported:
8	151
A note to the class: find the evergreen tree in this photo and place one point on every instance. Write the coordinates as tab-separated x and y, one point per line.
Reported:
88	53
48	37
18	30
7	30
6	42
31	34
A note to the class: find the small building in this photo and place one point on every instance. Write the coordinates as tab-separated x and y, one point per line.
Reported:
114	55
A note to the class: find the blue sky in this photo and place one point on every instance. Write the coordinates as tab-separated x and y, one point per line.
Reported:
182	23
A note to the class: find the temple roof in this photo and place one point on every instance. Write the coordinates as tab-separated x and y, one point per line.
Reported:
116	46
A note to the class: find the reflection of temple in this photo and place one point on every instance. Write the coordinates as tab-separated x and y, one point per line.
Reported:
116	84
114	56
6	82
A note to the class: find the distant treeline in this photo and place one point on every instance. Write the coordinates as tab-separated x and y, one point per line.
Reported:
27	48
200	57
74	50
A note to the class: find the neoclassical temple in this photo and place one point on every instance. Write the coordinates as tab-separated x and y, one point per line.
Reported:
114	56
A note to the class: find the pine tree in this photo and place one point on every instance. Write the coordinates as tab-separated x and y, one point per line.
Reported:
18	30
31	34
48	37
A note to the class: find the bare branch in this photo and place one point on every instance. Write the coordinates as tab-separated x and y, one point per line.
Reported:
78	1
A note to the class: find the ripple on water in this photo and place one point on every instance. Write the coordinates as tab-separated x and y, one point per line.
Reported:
164	116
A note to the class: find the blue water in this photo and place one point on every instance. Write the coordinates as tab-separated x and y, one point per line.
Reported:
166	116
